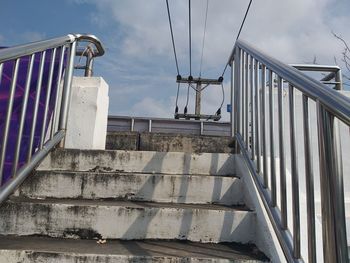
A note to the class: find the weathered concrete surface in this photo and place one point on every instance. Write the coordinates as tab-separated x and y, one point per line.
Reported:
165	142
184	143
140	161
265	238
88	114
70	218
35	249
122	141
166	188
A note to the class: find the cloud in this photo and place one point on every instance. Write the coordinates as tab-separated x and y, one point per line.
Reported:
140	52
32	36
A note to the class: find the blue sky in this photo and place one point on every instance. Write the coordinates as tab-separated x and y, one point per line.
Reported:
139	65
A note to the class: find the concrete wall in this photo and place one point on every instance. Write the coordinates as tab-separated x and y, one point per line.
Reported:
88	114
167	142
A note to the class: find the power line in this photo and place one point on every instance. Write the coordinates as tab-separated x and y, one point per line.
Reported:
189	34
172	38
240	30
204	33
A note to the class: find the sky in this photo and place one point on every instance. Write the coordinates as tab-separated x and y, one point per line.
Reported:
139	62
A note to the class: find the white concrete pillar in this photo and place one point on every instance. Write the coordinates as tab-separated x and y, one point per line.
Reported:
88	114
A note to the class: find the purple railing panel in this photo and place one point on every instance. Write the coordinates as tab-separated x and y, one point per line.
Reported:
18	102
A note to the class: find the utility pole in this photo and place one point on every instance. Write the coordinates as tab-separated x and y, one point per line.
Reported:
201	84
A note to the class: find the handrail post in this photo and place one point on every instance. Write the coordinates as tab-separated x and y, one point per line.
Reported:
67	91
236	109
339	80
332	191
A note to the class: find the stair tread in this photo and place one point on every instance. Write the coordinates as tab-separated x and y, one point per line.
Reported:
138	248
104	172
129	204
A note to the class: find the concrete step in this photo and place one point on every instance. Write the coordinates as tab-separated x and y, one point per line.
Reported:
55	250
165	142
72	218
140	161
168	188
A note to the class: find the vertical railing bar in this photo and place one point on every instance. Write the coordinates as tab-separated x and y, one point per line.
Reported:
295	176
243	93
66	93
8	118
283	188
36	106
23	114
263	124
48	96
251	85
246	103
338	190
257	117
237	88
309	177
272	141
58	88
1	69
324	141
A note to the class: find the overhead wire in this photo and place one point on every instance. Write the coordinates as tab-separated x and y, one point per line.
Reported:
172	38
240	30
204	34
190	34
190	53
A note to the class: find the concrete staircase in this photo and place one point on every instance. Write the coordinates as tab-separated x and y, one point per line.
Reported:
130	206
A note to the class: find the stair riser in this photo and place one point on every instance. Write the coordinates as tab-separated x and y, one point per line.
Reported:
118	222
30	257
140	187
146	162
163	142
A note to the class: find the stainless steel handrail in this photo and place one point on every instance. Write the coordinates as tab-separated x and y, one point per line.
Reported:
336	103
255	77
57	92
30	48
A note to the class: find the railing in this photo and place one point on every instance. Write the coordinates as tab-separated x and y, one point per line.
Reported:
38	77
261	136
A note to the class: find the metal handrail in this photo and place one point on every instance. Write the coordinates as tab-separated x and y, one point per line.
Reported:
51	119
336	103
254	76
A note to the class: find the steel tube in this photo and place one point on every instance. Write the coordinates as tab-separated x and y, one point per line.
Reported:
58	91
66	94
252	108
1	68
36	106
272	142
263	124
28	49
309	177
8	118
243	94
236	109
246	103
23	114
338	197
233	96
257	117
48	96
271	212
335	103
283	188
339	80
328	220
295	176
150	126
7	189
